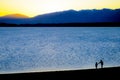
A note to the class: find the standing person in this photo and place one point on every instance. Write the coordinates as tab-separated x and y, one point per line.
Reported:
96	65
101	62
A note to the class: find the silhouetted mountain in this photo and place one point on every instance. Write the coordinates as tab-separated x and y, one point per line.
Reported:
70	16
15	16
14	19
83	16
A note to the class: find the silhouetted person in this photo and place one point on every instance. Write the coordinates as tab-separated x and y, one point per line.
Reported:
96	65
101	62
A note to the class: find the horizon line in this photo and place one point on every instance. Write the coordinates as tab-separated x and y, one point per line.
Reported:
60	11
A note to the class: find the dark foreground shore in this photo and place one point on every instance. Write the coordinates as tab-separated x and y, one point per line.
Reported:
97	24
89	74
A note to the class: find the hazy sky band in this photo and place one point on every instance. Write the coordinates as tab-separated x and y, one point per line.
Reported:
36	7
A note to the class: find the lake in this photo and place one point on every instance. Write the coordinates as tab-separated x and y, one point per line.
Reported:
26	49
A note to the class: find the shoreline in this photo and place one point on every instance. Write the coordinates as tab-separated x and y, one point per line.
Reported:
102	73
99	24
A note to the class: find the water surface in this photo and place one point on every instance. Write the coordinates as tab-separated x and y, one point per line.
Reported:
54	48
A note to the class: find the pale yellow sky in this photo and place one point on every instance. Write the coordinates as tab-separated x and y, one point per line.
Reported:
37	7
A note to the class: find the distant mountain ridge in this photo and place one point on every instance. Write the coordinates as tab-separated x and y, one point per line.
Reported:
15	16
69	16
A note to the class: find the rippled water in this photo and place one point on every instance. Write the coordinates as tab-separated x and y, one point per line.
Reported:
52	48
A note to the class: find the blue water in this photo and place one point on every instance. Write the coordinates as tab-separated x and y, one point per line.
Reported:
51	48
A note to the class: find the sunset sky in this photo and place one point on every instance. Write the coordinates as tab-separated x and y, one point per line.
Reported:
36	7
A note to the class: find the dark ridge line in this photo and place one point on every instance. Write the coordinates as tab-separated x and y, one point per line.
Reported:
97	24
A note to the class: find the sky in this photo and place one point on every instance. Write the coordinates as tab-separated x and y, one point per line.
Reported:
32	8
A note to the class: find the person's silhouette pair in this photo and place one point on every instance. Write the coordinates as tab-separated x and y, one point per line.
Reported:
101	62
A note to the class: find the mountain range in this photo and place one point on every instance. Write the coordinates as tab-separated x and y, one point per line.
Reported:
15	16
68	16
